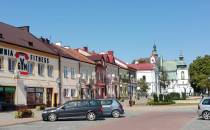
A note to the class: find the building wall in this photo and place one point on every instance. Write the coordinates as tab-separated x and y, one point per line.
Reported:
150	79
10	79
68	83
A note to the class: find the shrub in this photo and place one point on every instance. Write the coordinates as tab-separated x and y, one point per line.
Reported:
167	98
175	96
155	97
161	97
184	96
24	113
40	107
160	103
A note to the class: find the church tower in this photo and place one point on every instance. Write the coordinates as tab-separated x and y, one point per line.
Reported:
154	56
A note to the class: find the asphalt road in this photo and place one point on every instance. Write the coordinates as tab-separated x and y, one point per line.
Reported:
139	118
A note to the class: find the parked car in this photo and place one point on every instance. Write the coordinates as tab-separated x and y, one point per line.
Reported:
204	108
89	109
112	107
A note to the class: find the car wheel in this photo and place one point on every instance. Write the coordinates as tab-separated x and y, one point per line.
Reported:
52	117
206	115
116	114
91	116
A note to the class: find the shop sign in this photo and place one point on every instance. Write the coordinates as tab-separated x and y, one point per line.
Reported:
23	59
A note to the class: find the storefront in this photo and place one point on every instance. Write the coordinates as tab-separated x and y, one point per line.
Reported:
7	94
35	96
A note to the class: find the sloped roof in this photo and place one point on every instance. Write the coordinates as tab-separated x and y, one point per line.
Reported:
170	65
73	54
17	36
121	63
142	66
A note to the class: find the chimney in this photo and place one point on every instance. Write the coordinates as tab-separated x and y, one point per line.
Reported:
85	48
111	53
58	43
25	28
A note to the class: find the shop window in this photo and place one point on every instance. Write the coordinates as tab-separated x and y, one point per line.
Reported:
73	75
11	64
34	96
30	68
65	72
1	63
50	70
41	69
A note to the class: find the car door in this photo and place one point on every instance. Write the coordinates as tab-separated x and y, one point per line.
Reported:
82	108
206	104
107	106
68	110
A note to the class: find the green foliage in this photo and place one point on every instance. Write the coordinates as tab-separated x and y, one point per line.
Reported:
184	96
151	102
167	98
175	96
155	97
40	107
161	97
24	113
143	85
199	72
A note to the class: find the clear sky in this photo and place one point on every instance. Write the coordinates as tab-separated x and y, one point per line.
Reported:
129	27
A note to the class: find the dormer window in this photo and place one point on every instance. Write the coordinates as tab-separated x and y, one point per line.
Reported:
30	44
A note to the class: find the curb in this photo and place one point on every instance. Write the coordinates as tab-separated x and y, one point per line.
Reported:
18	123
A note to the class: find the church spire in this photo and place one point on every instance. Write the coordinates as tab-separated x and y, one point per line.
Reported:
181	56
154	51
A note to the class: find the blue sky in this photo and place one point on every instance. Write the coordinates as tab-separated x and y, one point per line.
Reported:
129	27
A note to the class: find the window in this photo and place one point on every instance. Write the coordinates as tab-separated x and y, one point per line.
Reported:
73	76
206	102
11	65
65	72
41	69
144	78
86	76
93	103
1	63
70	105
66	93
30	43
73	93
182	75
30	68
106	102
50	70
35	96
82	104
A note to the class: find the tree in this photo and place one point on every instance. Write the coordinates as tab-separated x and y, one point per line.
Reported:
199	72
143	85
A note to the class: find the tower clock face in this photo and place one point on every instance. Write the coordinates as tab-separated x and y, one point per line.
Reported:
152	60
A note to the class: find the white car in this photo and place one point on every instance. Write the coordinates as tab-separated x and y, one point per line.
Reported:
204	108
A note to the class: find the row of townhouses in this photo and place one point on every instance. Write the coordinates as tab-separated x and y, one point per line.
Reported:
34	71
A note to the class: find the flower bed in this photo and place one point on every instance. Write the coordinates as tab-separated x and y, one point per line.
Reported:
40	107
24	113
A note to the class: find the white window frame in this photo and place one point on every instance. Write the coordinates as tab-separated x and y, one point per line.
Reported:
73	93
31	72
50	70
41	72
65	72
73	73
67	92
13	66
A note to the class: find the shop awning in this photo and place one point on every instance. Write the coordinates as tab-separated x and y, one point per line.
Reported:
9	90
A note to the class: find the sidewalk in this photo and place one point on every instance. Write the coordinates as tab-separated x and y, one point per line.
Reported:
8	118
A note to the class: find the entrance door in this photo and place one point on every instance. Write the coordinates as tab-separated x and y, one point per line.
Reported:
49	97
55	104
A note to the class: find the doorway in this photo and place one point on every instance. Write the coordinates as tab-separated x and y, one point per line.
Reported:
49	97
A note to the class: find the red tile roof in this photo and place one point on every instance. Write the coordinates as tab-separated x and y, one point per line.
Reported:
20	37
142	66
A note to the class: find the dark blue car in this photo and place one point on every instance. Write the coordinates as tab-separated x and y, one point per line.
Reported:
112	107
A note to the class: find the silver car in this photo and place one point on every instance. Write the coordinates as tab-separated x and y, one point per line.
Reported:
204	108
